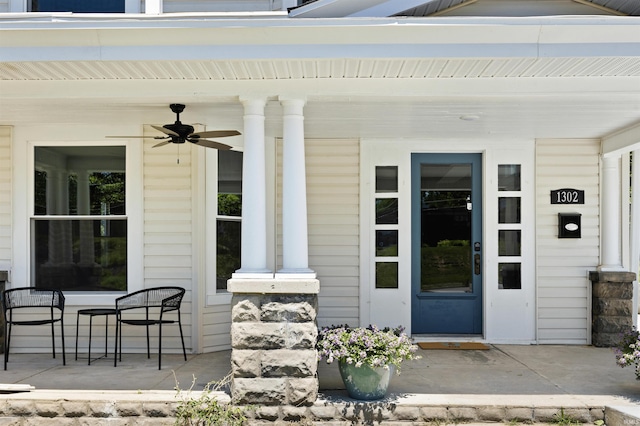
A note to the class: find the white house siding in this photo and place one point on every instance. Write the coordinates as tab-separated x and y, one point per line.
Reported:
216	328
4	6
333	215
169	6
168	237
5	197
562	264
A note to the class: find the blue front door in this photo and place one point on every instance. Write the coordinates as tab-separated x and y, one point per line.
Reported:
446	244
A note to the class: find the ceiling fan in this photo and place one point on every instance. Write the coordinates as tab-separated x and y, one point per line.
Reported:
180	133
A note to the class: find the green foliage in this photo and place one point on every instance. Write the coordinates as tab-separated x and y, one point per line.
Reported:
563	419
445	264
229	205
206	410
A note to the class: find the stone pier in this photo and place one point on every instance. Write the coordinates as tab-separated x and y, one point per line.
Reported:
273	337
612	306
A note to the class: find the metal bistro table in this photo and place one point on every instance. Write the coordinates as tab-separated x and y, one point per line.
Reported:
94	312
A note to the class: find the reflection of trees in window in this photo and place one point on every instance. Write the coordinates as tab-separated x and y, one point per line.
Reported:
107	193
78	244
444	199
229	205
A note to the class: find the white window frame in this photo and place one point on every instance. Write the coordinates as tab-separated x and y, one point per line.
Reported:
214	296
24	212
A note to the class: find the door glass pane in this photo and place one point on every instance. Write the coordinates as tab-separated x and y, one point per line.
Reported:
386	211
509	177
386	179
509	276
509	243
387	243
446	228
386	275
509	210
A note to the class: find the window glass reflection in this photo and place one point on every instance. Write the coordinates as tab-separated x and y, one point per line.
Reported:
386	275
509	243
386	179
387	243
509	276
509	177
509	210
386	211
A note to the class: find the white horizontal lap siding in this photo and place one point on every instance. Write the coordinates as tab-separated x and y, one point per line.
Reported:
562	264
167	236
332	168
169	6
5	197
216	328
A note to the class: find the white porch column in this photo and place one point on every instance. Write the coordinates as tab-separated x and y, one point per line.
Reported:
611	225
295	257
253	260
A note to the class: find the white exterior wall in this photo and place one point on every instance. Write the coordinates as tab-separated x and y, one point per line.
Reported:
5	198
217	5
333	170
168	239
563	292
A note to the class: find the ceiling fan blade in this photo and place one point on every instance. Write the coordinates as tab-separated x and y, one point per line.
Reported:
215	134
165	131
162	143
137	137
211	144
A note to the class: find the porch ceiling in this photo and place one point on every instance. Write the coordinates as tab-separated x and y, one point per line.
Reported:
486	79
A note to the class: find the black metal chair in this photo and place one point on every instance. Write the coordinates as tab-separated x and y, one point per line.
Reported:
155	302
32	299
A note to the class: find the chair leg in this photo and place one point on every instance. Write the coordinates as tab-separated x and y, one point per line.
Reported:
115	345
184	351
148	346
77	330
7	338
64	352
53	338
160	345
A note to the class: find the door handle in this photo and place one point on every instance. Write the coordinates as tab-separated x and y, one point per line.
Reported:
476	264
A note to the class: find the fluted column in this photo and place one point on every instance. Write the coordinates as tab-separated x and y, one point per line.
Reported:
611	224
295	252
253	259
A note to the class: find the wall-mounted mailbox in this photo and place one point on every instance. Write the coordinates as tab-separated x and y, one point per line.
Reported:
569	225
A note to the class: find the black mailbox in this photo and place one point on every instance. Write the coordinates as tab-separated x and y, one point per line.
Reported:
569	225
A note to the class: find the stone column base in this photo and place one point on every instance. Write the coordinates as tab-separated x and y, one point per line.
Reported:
612	306
273	336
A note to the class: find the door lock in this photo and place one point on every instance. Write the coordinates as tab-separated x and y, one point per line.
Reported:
476	264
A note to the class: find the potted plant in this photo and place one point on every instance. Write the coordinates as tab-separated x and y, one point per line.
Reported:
628	350
367	356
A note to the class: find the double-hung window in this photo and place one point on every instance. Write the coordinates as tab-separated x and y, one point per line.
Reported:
79	222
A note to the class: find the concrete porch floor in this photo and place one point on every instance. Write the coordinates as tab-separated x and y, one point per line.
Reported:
505	376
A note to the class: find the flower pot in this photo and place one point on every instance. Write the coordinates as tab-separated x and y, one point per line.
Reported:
365	382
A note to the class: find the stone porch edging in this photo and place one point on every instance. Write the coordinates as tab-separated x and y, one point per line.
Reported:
158	408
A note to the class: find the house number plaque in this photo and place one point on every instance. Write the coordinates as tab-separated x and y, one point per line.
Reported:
567	196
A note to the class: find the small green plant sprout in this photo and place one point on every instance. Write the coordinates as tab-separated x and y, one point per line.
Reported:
205	409
599	423
563	419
